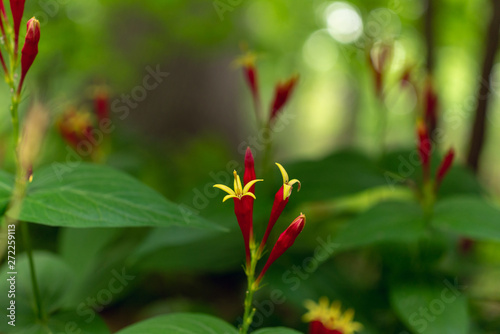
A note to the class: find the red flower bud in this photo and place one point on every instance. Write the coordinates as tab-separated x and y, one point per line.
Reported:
250	73
30	48
282	93
249	169
430	105
17	8
285	241
424	148
278	207
445	166
101	104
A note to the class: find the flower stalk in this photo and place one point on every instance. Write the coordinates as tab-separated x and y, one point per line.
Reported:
243	197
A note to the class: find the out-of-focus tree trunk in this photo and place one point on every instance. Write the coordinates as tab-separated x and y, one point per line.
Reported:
479	128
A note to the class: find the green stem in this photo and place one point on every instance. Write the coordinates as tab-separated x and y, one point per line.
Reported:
15	120
251	288
36	292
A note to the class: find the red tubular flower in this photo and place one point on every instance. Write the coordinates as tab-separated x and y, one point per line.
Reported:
247	201
282	94
285	241
101	104
17	8
424	148
242	209
280	202
30	49
445	166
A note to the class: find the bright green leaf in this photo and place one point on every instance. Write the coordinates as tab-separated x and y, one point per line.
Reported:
181	323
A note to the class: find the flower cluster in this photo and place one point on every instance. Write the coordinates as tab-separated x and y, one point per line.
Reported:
326	318
282	91
10	35
430	186
244	196
76	126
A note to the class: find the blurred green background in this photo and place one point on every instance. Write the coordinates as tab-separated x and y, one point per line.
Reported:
198	119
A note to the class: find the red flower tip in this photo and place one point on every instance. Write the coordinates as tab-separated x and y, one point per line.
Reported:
424	147
430	105
30	48
283	91
101	103
285	241
445	166
17	8
249	169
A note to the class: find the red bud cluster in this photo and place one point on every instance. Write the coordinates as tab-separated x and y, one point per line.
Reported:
282	91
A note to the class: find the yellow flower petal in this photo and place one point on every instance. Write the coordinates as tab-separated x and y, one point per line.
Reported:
225	188
228	197
249	194
294	181
283	173
287	191
249	185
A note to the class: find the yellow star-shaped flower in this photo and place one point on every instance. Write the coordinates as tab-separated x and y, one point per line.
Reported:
287	183
238	191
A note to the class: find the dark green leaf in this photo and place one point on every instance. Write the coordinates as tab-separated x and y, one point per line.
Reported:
276	330
6	184
470	217
99	196
431	309
386	222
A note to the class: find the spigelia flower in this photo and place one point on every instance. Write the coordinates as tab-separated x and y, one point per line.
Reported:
250	74
242	209
326	318
378	60
17	8
280	201
285	241
75	127
282	93
30	49
424	148
428	191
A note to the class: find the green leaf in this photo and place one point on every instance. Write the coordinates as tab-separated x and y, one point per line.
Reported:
6	184
67	322
431	309
181	323
276	330
98	196
54	279
400	222
343	173
470	217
